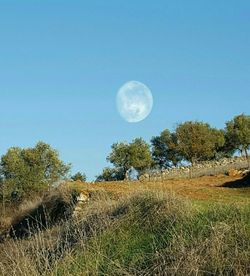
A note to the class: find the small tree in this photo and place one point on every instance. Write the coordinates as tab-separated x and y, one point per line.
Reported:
110	174
120	157
164	149
140	155
238	133
25	170
79	177
136	154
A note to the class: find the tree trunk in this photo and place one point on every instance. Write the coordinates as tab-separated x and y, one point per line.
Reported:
3	200
191	168
191	172
247	157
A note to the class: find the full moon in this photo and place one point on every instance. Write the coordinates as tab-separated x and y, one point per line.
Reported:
134	101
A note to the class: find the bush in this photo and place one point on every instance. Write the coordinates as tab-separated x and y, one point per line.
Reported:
33	169
79	177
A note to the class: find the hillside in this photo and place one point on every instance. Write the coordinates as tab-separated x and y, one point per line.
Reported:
220	188
177	227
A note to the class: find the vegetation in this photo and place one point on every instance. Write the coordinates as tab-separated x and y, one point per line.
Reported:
165	151
135	154
138	228
110	174
238	133
147	233
192	141
24	171
79	177
33	169
197	141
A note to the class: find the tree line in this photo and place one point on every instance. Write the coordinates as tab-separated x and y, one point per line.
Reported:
27	170
192	141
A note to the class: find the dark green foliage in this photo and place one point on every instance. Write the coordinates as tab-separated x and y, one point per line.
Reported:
197	141
164	150
238	133
79	177
227	149
135	154
111	174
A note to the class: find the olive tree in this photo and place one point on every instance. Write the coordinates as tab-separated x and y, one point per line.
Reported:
197	141
110	174
79	177
164	149
30	169
126	155
238	133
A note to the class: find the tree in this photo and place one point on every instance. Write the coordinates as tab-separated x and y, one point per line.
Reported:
110	174
79	177
30	169
238	133
197	141
224	148
135	154
120	156
140	155
164	149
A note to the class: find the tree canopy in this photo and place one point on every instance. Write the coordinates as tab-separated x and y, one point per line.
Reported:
126	155
110	174
30	169
79	177
164	149
238	133
197	141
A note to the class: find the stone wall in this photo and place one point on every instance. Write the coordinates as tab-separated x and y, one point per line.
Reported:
222	166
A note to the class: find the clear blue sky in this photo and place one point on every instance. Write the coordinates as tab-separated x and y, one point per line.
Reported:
62	62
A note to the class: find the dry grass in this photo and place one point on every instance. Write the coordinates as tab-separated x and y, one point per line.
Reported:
39	213
207	188
138	228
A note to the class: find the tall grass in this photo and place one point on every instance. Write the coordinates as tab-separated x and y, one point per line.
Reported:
149	233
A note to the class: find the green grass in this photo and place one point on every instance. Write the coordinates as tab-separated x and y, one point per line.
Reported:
156	236
147	233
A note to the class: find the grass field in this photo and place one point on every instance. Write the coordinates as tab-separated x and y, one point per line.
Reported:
209	189
177	227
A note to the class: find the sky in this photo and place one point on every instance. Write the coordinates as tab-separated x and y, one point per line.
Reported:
63	62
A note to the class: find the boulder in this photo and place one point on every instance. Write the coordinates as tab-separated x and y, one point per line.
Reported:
234	173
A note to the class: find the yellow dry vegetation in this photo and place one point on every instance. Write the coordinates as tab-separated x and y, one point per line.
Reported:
220	188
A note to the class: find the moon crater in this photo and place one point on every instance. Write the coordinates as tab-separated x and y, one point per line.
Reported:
134	101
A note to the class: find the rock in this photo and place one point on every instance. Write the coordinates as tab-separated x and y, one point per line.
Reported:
82	198
144	177
233	173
